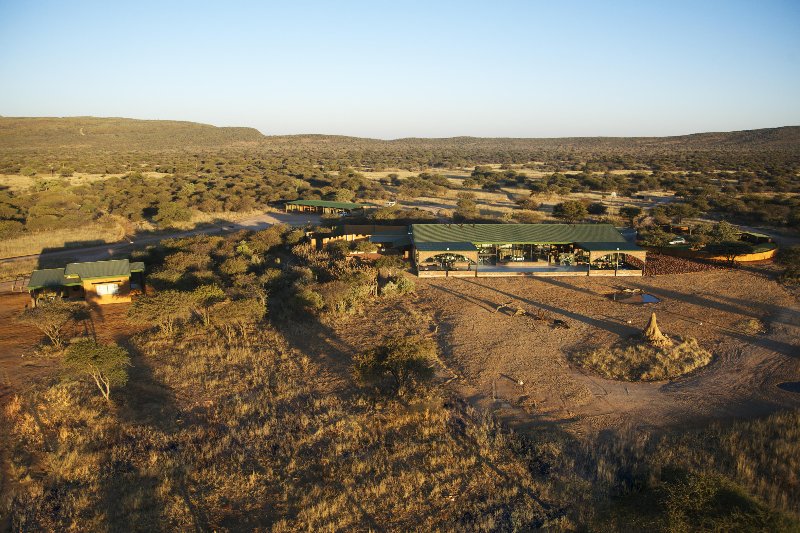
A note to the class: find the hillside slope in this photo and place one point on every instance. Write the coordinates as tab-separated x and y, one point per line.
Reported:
115	134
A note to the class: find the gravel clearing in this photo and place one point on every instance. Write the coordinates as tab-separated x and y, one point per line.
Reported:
493	352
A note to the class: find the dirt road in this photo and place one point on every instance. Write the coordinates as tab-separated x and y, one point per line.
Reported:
112	250
519	367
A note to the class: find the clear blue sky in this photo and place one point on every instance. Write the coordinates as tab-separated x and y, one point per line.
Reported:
394	69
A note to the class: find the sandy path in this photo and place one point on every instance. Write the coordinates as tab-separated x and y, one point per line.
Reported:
494	351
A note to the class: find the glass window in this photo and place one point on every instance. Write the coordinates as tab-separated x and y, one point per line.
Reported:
107	288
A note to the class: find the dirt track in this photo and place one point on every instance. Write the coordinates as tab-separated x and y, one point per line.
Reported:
492	351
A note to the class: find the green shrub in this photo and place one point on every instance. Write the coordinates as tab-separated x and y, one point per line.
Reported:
398	366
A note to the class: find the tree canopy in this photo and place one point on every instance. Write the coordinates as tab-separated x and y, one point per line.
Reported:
106	364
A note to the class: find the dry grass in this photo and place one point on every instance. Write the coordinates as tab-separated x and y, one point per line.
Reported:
17	182
34	243
641	361
17	269
213	436
751	326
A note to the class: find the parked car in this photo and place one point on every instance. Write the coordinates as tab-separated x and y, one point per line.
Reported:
678	240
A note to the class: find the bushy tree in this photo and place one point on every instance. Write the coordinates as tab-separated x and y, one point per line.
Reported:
656	238
528	203
389	264
51	317
466	207
364	246
571	211
527	217
630	212
106	364
263	241
730	249
680	211
723	232
597	208
203	298
398	365
161	309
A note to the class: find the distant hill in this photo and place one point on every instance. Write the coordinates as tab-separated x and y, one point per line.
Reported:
121	134
118	134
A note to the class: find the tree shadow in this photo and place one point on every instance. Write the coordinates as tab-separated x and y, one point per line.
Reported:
613	327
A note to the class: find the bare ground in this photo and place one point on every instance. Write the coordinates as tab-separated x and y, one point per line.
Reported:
492	352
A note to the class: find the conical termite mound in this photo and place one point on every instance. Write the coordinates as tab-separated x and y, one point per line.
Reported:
653	335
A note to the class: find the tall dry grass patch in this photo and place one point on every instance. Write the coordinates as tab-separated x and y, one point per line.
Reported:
35	243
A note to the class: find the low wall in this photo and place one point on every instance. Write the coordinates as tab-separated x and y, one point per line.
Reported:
692	254
485	274
619	273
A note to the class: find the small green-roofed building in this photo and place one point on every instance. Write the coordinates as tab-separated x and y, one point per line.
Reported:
98	282
50	277
98	269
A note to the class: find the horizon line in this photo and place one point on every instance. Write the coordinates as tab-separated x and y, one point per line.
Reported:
406	137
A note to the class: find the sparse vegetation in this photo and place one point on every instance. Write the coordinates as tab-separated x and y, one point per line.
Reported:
635	360
752	326
400	365
51	318
250	403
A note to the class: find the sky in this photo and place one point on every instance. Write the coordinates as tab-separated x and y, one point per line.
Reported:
391	69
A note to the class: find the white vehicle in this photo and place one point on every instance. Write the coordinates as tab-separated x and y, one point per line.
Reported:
678	240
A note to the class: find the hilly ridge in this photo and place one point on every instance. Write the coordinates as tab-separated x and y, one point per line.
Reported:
123	134
118	134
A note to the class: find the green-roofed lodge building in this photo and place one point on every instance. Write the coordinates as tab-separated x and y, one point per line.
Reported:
98	282
501	249
322	206
524	249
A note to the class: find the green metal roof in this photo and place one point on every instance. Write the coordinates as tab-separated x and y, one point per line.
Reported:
99	269
50	277
75	273
609	246
516	233
445	246
326	203
394	240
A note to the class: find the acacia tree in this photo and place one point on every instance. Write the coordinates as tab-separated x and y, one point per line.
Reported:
50	317
203	297
161	309
106	364
399	364
730	249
